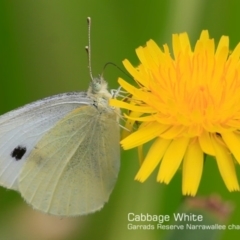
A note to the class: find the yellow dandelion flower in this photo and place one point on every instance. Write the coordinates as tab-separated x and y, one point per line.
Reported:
189	104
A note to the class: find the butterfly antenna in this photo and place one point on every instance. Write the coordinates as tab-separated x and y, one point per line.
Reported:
115	65
88	48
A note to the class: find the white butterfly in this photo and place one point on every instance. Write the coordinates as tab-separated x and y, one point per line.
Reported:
62	153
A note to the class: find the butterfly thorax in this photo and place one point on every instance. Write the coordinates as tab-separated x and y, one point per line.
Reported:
99	93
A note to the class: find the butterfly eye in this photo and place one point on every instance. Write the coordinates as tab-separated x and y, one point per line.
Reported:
96	85
18	152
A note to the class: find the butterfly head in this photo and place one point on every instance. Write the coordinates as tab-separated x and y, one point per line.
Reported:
98	88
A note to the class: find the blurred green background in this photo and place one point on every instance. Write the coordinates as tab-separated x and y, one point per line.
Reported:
42	53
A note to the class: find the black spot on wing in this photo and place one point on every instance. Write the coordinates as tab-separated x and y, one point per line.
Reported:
18	152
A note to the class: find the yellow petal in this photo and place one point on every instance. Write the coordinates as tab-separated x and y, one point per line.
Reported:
155	51
192	169
185	43
172	159
204	35
133	71
142	119
146	59
232	140
225	165
117	103
206	143
173	132
142	135
224	42
132	90
176	45
236	52
152	159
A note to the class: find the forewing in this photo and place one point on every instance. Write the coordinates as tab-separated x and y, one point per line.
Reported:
21	129
74	167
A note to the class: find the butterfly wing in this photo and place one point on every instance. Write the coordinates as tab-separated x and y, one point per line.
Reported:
73	168
21	129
